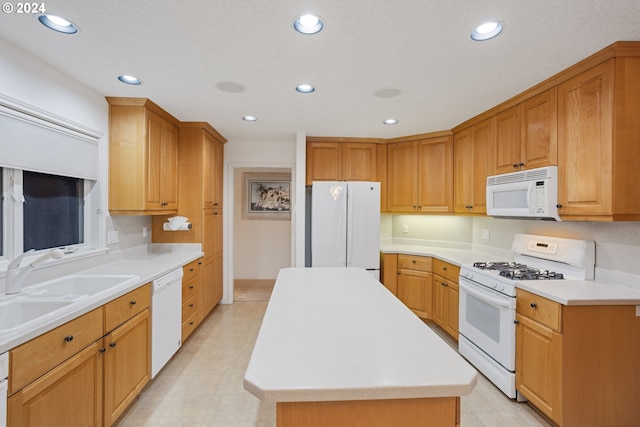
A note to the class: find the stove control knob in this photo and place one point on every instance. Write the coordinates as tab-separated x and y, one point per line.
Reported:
501	287
494	284
468	275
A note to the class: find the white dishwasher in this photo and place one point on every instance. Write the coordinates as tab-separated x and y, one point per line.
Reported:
166	319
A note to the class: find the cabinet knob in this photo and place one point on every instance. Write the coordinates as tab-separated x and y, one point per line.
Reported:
113	344
444	284
190	323
102	350
413	261
191	287
68	338
191	305
558	206
133	302
515	165
191	269
534	305
520	164
444	268
516	321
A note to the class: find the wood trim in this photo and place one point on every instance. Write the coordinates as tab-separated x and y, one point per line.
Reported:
143	102
417	137
426	412
205	126
344	139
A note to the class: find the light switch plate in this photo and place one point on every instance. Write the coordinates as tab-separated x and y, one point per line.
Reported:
113	237
485	233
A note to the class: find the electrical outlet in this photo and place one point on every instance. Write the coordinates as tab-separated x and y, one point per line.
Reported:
485	233
113	237
144	232
405	228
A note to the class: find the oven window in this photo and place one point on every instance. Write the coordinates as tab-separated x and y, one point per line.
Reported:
484	317
510	199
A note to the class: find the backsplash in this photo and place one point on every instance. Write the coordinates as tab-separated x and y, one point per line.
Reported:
617	244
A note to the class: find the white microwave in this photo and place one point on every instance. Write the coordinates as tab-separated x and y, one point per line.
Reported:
526	194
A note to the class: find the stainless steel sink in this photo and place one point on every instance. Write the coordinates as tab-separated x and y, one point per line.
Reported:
22	311
76	285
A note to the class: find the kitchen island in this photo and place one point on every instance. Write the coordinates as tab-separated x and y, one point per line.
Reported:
337	348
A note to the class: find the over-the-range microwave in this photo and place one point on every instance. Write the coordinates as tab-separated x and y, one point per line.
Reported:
526	194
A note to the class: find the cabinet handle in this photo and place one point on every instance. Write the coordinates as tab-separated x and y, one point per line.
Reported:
413	261
199	262
133	302
191	305
191	269
190	323
191	287
520	164
444	284
444	268
68	338
515	165
102	350
534	305
113	344
516	322
558	206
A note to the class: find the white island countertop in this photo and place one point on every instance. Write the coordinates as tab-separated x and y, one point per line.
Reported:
334	334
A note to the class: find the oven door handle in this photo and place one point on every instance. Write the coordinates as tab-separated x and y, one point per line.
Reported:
471	289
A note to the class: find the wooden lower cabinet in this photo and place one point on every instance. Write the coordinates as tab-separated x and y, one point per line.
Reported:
127	365
415	284
191	294
445	304
68	395
389	272
58	383
578	364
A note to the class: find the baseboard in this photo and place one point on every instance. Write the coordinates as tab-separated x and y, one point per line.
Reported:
254	282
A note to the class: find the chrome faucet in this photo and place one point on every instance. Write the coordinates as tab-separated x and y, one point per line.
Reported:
16	275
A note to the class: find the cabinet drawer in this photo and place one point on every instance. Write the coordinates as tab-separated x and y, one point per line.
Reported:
189	325
190	289
446	270
414	262
539	309
191	270
189	307
41	354
124	308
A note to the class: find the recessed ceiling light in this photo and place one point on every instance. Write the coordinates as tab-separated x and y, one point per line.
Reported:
487	31
308	24
130	80
249	118
305	88
57	23
390	122
386	93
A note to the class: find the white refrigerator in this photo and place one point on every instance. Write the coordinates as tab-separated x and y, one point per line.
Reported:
345	225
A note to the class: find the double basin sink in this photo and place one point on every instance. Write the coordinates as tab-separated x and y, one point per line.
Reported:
39	303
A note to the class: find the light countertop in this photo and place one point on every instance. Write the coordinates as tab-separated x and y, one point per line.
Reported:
334	334
147	267
567	292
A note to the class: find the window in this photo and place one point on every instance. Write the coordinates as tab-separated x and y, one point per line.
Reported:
53	211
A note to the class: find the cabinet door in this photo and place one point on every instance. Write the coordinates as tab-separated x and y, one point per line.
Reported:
435	175
482	135
508	155
127	365
402	177
155	126
539	131
439	298
324	161
211	272
415	291
208	170
463	171
169	167
539	366
359	162
585	142
218	175
390	272
452	309
218	257
68	395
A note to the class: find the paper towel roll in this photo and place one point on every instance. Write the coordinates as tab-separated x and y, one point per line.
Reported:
184	227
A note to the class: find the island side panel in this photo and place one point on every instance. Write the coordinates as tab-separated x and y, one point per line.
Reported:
426	412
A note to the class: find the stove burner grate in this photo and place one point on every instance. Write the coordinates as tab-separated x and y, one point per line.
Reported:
517	271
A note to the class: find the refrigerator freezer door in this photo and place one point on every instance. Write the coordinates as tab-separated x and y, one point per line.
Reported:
328	224
363	225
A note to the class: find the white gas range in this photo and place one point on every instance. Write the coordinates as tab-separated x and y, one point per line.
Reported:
488	299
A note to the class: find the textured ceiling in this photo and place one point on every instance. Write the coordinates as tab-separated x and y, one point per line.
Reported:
184	50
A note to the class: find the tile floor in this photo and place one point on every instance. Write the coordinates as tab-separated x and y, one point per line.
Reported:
203	384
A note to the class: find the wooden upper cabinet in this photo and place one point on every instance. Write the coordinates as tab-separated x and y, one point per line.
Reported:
598	146
539	131
341	161
435	175
473	157
143	158
526	134
402	175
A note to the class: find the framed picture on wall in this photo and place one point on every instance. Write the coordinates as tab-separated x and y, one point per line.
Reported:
267	196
